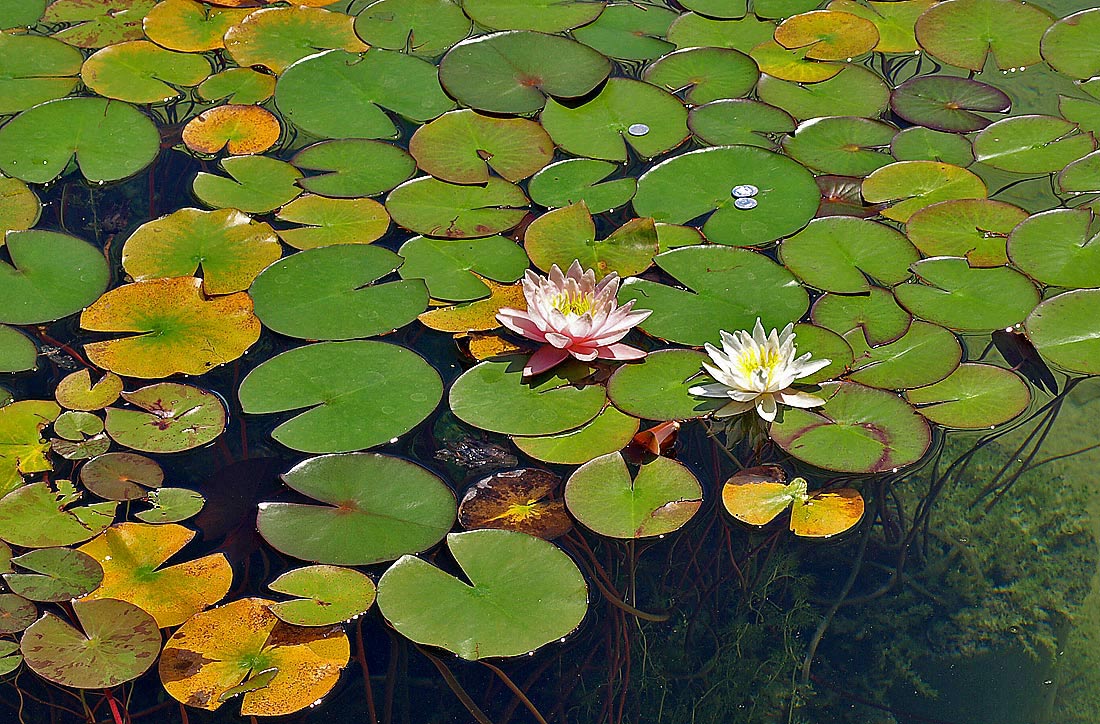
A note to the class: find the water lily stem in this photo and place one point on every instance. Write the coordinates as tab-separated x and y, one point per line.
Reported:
452	682
517	691
619	603
361	657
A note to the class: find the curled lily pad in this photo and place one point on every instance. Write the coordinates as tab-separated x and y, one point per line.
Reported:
39	515
119	642
16	614
973	397
1031	144
37	69
60	574
336	382
841	145
97	23
217	653
523	592
1068	44
1064	330
581	179
607	432
138	71
375	508
907	186
257	184
227	245
547	16
1058	247
948	103
462	146
435	208
757	495
76	391
121	476
973	228
133	555
958	296
50	276
453	269
522	500
841	254
828	34
176	328
704	74
326	221
174	417
657	387
422	27
277	37
239	129
744	122
327	595
22	449
562	235
965	32
190	27
661	498
332	293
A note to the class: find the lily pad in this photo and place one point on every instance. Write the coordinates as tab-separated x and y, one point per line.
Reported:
38	515
327	595
876	313
1031	144
715	277
237	85
948	103
563	235
277	37
965	32
629	32
432	207
918	143
476	316
60	574
828	34
694	30
328	221
908	186
790	65
926	353
21	14
462	146
579	179
138	71
17	351
176	328
958	296
844	254
353	168
97	23
859	430
74	425
20	208
227	245
171	505
378	508
657	387
51	275
76	391
119	642
973	397
239	129
704	74
607	432
843	145
823	343
331	293
514	71
338	382
1059	248
1081	176
257	184
522	500
422	27
744	122
523	592
1064	330
854	91
894	20
1068	44
453	269
973	228
121	476
547	16
190	27
36	69
661	498
175	417
16	614
109	140
22	449
757	495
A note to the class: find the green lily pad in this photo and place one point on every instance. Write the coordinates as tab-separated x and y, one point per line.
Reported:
926	353
607	432
973	228
331	293
119	642
83	448
626	114
673	236
17	351
657	387
579	179
60	574
422	27
328	221
462	146
1085	113
514	71
1059	248
858	430
546	16
917	143
366	84
1031	144
19	206
378	509
523	592
660	499
36	69
97	23
715	277
20	14
16	614
908	186
453	269
948	103
894	20
51	276
1082	176
855	91
228	246
353	168
692	30
121	476
176	328
724	9
704	74
629	32
973	397
139	71
697	183
823	343
494	396
432	207
327	595
958	296
844	254
109	140
22	449
569	233
1069	45
965	32
257	184
737	121
842	145
171	505
173	417
877	314
77	425
278	37
191	28
338	382
1065	332
237	85
790	65
38	515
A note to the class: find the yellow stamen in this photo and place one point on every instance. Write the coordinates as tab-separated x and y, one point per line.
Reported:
568	304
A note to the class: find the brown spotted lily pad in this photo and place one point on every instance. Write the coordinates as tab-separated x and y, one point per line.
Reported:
758	495
176	417
520	500
59	574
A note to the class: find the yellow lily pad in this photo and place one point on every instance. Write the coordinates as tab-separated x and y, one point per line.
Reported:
828	34
277	37
479	316
77	391
239	129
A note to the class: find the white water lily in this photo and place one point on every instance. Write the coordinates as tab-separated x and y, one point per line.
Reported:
754	370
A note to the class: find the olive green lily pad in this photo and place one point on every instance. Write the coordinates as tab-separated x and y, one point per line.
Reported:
139	71
453	269
926	353
724	9
16	614
422	27
189	27
877	314
227	245
432	207
97	23
629	32
1064	330
581	179
21	14
792	65
119	642
237	85
855	91
109	140
716	277
366	84
948	103
357	394
845	254
657	387
377	508
977	229
1082	176
353	168
38	515
462	146
858	430
523	592
697	183
494	396
823	343
1069	45
973	397
76	391
121	476
1031	144
607	432
661	498
738	121
328	221
546	16
704	74
17	352
514	71
918	143
77	425
907	186
567	234
327	595
60	574
1059	247
257	184
36	69
843	145
82	448
171	505
22	449
693	30
19	206
894	20
828	34
277	37
173	417
51	276
958	296
965	32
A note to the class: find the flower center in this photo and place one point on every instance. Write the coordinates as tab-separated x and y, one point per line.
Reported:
759	365
572	304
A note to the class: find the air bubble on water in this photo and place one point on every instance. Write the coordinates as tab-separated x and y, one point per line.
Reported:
393	440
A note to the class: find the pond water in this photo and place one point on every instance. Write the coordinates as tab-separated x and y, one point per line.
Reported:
277	237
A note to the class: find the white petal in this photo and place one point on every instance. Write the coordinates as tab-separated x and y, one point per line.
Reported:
716	389
794	398
733	408
766	407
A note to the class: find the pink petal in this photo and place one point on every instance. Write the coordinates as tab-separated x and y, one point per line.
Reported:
620	352
558	340
543	359
520	323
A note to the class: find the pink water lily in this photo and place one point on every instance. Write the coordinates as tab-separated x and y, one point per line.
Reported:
573	316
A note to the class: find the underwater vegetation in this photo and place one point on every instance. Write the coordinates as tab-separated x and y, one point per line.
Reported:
425	360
